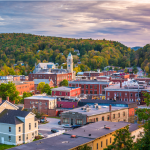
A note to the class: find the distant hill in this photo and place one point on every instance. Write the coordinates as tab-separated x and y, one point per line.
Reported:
31	49
136	48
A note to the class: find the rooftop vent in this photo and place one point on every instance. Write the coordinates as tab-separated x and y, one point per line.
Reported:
73	136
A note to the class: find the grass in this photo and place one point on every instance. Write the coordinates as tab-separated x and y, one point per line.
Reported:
54	117
4	146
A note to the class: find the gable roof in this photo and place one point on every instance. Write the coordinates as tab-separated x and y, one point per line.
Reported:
10	116
5	101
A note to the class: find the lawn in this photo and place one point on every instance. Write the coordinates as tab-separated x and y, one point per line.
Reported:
4	146
54	117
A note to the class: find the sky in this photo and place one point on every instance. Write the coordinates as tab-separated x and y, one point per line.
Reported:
125	21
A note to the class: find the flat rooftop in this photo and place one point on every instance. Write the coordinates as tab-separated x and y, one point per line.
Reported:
16	82
94	111
104	81
63	88
97	129
61	142
41	98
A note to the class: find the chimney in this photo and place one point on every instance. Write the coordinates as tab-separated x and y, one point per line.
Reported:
7	98
109	107
0	100
120	83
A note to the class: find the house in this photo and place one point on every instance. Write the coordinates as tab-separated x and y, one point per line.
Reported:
17	127
43	104
94	113
46	81
97	136
66	91
5	104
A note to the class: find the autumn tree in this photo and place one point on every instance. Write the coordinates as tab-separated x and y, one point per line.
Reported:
64	83
122	140
40	87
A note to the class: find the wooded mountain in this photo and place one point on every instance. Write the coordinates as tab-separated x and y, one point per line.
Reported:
17	47
136	48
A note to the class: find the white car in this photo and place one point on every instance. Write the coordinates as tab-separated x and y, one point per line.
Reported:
67	126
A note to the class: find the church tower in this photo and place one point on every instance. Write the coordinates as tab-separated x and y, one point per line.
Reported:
70	63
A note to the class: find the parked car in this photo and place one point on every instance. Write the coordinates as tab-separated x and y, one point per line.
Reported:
40	134
54	130
67	126
76	126
59	122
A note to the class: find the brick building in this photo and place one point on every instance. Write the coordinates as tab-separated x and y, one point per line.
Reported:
43	104
127	91
66	91
24	78
56	77
46	81
91	87
24	86
94	113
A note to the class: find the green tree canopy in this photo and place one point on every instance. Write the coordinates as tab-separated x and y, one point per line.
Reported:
40	87
9	89
64	83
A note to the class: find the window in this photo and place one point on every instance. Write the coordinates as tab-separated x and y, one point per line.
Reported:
97	119
79	121
73	85
103	92
66	93
101	144
35	132
106	142
131	95
103	86
29	126
19	129
59	93
95	86
118	115
54	93
9	138
108	94
91	92
86	86
103	118
113	116
65	120
95	92
46	103
126	99
35	125
19	138
9	129
125	94
86	92
97	145
120	93
108	118
123	113
30	102
82	86
33	135
91	86
110	139
27	137
82	91
117	94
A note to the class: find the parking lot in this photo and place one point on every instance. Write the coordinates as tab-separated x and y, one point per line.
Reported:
45	129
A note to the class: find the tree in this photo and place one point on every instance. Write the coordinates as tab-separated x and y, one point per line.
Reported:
40	87
26	94
46	88
144	117
85	147
122	140
126	70
64	83
135	70
147	69
9	89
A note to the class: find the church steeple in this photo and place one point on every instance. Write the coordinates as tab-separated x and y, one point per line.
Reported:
70	63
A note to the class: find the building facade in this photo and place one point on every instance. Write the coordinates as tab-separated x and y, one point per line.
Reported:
66	92
17	127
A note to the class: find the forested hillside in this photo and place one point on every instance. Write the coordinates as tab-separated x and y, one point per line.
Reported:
19	47
142	58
